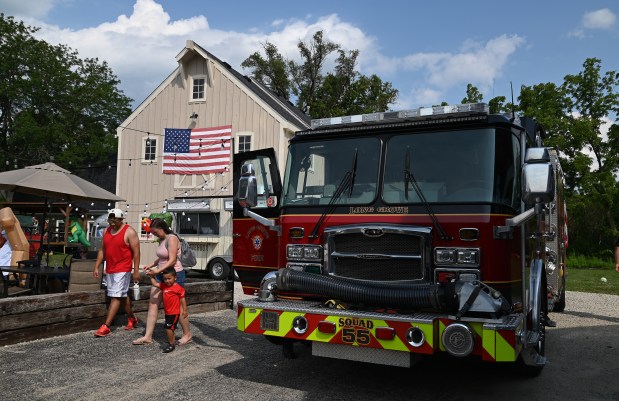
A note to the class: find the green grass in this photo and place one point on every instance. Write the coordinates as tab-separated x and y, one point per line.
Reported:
584	274
589	280
589	262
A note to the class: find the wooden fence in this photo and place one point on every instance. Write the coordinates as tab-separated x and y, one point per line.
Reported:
29	318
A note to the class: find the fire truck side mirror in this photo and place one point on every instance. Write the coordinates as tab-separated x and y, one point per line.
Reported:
248	187
538	183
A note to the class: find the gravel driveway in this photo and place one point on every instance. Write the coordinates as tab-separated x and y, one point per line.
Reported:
224	364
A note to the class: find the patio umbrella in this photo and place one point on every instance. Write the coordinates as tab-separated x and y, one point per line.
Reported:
52	181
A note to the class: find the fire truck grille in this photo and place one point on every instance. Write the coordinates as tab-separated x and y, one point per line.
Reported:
378	270
387	254
387	244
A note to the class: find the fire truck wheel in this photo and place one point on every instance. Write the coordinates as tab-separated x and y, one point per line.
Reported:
559	306
539	349
218	269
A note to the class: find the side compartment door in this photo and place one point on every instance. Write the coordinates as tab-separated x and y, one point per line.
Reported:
255	246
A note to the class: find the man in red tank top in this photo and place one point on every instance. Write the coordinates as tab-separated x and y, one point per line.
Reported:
121	250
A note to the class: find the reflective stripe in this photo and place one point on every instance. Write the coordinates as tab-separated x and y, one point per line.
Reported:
492	344
488	344
505	347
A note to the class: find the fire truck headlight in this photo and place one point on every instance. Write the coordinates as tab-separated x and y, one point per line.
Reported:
294	251
467	257
304	252
311	252
443	256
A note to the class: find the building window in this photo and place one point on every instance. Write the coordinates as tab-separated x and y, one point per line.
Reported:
149	150
243	143
198	89
198	223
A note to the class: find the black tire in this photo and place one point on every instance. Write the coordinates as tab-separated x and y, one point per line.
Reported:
540	348
559	306
218	269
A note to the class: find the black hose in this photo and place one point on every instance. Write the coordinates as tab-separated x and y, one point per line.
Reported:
421	296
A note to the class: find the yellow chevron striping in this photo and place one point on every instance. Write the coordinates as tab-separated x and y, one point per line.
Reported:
504	351
488	342
249	315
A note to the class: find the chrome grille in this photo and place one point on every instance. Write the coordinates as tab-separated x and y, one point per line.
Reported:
390	243
378	252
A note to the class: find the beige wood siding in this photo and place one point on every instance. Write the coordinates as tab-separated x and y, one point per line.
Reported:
227	103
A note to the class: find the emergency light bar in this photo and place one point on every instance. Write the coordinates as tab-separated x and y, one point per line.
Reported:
387	116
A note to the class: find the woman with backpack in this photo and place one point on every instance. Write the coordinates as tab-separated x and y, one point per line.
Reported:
168	253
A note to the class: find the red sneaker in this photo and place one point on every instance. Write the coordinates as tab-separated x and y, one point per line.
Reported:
132	323
103	331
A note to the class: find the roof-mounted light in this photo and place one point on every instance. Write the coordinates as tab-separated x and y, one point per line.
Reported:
392	116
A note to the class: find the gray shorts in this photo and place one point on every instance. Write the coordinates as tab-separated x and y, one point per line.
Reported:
117	284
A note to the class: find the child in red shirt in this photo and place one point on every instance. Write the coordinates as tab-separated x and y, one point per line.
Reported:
174	304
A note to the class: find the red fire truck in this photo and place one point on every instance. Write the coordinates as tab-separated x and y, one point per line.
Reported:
398	235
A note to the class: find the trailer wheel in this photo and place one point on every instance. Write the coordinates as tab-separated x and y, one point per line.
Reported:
218	269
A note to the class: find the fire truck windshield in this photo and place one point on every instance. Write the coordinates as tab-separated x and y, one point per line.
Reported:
460	166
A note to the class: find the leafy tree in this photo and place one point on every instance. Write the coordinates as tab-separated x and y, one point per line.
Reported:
270	71
349	92
496	104
472	95
54	104
341	92
573	115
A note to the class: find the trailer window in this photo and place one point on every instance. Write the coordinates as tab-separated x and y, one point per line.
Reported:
198	223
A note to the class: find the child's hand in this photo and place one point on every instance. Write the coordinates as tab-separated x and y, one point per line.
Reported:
185	314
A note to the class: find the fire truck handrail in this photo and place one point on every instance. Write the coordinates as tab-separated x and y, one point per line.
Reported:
521	218
262	220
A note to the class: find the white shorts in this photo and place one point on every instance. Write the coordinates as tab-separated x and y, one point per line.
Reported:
118	284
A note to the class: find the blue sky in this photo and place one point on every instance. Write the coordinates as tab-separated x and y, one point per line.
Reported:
428	50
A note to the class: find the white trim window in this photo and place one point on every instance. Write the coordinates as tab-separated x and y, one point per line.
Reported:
149	150
244	142
198	88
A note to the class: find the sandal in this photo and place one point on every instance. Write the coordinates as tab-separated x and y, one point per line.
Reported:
169	348
141	341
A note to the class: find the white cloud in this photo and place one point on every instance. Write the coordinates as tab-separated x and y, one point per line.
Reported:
31	8
141	48
476	63
599	19
603	19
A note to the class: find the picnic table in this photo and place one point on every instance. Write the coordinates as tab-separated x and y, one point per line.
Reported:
38	275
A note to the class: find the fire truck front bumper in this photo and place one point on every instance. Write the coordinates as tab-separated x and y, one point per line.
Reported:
420	333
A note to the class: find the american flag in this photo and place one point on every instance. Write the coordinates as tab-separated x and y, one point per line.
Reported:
196	151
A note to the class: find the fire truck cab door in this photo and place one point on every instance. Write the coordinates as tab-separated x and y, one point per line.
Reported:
254	245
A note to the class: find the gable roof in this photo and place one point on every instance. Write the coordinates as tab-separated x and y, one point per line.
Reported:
282	106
